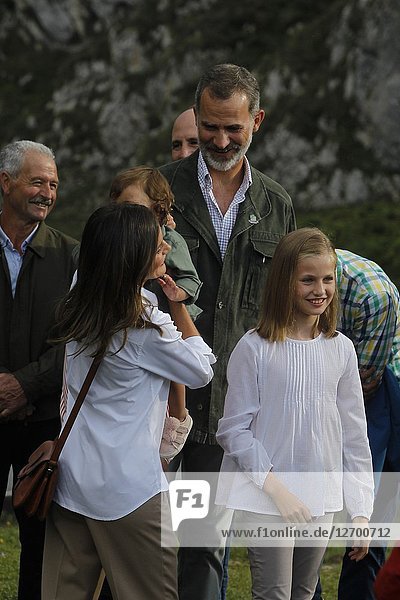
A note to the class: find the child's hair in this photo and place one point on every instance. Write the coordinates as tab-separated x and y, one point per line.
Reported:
119	243
152	182
278	308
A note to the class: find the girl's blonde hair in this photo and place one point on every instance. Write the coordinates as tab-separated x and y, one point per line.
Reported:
154	185
279	300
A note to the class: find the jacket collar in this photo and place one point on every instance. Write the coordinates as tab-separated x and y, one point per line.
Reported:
38	243
192	204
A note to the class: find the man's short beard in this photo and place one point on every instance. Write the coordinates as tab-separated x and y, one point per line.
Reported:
225	165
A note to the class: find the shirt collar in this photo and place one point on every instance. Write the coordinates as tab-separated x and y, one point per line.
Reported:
339	268
6	242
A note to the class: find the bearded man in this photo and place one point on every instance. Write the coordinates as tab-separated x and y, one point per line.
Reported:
231	216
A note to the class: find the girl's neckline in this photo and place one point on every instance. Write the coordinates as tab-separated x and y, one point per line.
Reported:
310	341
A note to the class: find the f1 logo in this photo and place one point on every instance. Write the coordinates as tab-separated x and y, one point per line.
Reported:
190	499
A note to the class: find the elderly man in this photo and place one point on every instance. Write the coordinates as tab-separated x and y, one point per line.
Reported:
36	270
184	139
231	216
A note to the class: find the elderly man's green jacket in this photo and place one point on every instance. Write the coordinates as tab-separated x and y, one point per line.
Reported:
27	320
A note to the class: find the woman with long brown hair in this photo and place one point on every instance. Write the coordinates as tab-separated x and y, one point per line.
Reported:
108	504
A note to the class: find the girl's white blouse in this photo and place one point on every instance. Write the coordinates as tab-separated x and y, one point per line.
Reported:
110	464
295	407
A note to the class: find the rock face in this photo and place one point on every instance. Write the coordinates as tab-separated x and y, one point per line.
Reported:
100	81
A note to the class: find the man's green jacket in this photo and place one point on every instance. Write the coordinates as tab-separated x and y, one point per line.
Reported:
232	288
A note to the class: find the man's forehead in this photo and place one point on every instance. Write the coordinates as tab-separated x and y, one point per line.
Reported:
185	125
36	162
235	108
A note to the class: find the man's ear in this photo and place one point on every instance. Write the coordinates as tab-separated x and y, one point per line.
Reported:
258	119
5	182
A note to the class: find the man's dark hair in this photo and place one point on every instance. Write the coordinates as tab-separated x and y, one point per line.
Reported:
222	81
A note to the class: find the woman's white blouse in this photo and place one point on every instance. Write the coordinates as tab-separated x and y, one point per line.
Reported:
110	464
295	407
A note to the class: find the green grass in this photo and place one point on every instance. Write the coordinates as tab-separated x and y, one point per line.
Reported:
239	572
370	230
9	558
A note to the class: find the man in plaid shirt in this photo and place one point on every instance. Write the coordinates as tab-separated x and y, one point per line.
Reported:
370	317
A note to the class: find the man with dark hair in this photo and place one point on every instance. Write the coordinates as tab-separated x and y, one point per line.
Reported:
36	270
231	216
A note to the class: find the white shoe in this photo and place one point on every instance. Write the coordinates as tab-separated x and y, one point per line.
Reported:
174	436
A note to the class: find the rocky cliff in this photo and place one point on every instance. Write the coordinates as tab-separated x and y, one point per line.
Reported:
100	81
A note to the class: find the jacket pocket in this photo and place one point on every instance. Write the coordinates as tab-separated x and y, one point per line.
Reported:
262	252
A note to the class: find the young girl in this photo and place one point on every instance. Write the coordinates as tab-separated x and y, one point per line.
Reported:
148	187
294	428
107	506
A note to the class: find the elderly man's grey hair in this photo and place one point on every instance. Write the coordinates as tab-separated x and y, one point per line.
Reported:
12	156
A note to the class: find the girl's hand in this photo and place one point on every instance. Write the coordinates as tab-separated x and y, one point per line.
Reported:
360	547
291	508
171	290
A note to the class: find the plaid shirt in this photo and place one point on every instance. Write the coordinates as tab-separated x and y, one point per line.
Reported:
370	312
223	224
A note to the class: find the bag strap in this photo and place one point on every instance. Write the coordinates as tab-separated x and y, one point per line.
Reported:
75	409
